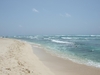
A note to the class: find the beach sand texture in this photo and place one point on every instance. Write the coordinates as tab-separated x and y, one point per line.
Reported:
20	58
17	58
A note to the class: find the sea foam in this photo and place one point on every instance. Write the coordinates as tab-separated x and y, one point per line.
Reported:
58	41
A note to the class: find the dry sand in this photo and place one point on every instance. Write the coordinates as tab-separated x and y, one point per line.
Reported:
61	66
17	58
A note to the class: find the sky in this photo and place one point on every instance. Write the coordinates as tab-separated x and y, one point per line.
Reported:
49	17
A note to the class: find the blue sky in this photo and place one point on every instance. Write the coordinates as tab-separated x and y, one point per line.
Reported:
49	17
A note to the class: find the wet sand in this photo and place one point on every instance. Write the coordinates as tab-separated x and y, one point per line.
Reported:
61	66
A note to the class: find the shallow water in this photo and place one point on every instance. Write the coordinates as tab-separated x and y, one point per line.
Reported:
84	49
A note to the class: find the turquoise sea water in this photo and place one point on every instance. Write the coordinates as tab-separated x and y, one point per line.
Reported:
83	49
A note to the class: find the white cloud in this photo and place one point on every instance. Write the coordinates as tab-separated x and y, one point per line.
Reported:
68	15
65	15
35	10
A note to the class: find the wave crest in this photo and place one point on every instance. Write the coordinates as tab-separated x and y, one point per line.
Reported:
58	41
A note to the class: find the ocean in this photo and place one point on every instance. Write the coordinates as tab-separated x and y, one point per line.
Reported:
82	49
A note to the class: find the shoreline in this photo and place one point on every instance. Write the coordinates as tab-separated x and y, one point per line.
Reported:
32	59
62	66
76	60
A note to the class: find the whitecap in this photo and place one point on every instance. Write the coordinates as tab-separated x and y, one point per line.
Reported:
66	38
92	63
58	41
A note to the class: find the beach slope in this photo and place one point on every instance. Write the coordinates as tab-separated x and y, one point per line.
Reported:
17	58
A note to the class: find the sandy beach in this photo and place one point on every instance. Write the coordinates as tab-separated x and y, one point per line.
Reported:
17	58
21	58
